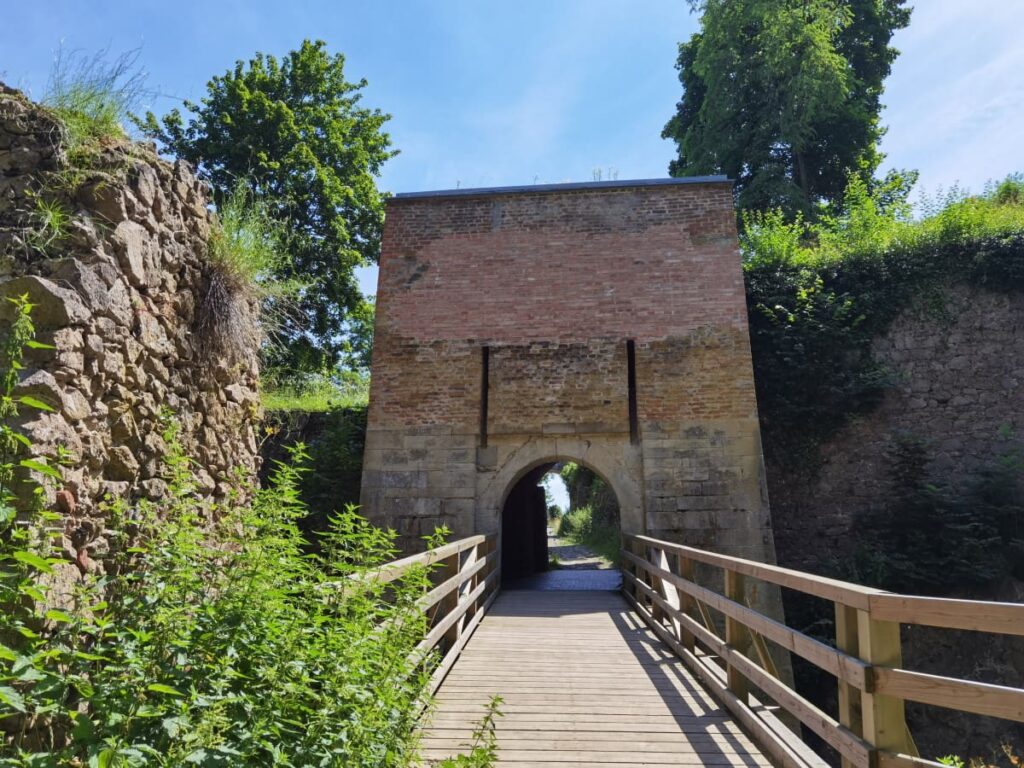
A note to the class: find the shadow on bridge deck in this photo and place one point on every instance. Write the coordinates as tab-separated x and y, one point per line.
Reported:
584	683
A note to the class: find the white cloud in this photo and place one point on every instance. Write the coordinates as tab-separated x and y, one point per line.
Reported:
956	98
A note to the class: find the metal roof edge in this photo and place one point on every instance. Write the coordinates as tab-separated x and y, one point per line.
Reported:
566	187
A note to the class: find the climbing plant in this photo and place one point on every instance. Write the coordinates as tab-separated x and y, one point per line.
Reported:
818	294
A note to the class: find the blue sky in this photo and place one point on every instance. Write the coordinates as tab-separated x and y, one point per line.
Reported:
488	93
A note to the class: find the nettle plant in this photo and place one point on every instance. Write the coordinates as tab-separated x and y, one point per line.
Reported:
214	637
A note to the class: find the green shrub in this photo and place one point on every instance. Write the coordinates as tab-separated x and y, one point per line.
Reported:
317	393
818	295
932	539
216	639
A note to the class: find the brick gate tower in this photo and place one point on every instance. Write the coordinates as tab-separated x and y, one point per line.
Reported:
603	323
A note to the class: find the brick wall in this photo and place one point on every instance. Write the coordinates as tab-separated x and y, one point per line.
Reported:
554	281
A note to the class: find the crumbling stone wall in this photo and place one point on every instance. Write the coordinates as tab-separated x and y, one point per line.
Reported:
957	363
958	370
116	293
555	283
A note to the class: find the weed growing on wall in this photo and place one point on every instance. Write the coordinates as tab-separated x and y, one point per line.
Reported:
94	97
244	300
819	294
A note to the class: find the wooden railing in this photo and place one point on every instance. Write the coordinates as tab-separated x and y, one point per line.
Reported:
465	574
728	644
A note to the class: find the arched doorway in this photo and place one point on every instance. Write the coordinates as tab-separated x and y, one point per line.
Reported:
559	516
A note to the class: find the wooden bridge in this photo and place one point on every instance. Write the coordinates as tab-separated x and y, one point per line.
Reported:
679	669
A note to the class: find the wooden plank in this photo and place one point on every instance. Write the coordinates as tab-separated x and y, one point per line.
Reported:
787	752
964	695
435	634
829	729
977	615
584	682
397	568
449	585
736	635
849	695
438	675
831	589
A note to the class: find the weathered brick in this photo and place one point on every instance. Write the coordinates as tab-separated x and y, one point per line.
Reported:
554	283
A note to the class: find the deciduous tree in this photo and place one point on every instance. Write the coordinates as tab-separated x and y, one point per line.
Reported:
295	132
784	96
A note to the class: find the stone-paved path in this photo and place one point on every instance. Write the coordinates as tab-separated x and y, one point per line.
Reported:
579	569
574	557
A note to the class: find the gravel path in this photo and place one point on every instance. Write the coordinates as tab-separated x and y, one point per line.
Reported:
574	557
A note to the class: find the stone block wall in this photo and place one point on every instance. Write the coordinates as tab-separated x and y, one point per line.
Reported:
958	385
116	293
551	283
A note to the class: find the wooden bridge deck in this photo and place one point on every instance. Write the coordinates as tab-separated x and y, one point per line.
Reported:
584	683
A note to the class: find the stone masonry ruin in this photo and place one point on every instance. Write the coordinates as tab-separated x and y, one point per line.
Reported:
117	296
600	323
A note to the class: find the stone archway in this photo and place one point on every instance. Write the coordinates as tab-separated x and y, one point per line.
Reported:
615	461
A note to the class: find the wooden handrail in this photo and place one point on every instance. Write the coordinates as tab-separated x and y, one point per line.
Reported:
870	730
470	571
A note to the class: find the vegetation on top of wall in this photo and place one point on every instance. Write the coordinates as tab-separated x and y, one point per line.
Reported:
93	97
818	294
316	393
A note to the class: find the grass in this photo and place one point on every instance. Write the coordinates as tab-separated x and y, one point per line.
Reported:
318	394
94	96
578	527
50	222
245	300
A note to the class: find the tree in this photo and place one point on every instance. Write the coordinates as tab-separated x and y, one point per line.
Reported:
294	132
784	96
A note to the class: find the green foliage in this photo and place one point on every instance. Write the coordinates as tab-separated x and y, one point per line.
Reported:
293	130
317	393
93	97
931	539
593	516
216	639
483	748
14	340
50	220
249	244
819	293
245	300
784	97
220	643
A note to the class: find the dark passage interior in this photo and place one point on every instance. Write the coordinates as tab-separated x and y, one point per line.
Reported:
524	527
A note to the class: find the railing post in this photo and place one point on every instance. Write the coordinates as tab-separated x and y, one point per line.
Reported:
451	600
626	566
883	718
849	695
684	569
735	634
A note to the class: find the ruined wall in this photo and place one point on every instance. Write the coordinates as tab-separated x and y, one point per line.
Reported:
117	289
554	282
958	385
957	363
